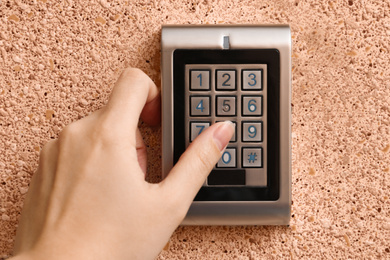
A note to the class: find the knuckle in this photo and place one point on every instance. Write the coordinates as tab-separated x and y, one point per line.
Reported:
103	132
98	131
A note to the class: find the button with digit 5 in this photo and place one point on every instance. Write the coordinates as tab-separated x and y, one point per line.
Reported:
226	105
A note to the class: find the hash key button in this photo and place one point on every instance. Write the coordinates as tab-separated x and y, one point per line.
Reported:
252	157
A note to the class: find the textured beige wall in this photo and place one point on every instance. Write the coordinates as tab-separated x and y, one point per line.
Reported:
59	60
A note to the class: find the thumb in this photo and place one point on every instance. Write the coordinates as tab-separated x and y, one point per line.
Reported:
195	164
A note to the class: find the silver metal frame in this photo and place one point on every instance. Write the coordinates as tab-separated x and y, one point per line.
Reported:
239	37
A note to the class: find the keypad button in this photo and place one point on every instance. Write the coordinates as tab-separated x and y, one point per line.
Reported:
252	132
252	79
200	105
228	158
200	79
226	106
252	105
252	157
226	79
197	128
234	137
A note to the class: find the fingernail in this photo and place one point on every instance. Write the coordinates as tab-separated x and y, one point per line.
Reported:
223	134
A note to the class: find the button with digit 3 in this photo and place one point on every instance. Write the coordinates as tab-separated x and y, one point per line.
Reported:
252	79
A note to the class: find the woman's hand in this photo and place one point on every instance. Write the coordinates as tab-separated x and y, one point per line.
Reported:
89	198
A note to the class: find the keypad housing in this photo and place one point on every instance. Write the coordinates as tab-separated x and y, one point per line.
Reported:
232	202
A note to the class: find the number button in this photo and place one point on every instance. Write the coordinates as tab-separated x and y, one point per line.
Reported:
252	105
200	80
252	157
226	79
197	128
234	138
252	79
252	132
200	105
226	106
228	158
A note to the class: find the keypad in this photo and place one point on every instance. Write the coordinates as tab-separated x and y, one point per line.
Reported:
235	92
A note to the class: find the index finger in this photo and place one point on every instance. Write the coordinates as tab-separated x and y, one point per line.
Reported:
133	92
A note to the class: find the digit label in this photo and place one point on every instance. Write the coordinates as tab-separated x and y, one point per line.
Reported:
200	106
226	157
252	80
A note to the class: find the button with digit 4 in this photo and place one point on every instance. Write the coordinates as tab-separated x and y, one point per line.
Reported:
200	105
